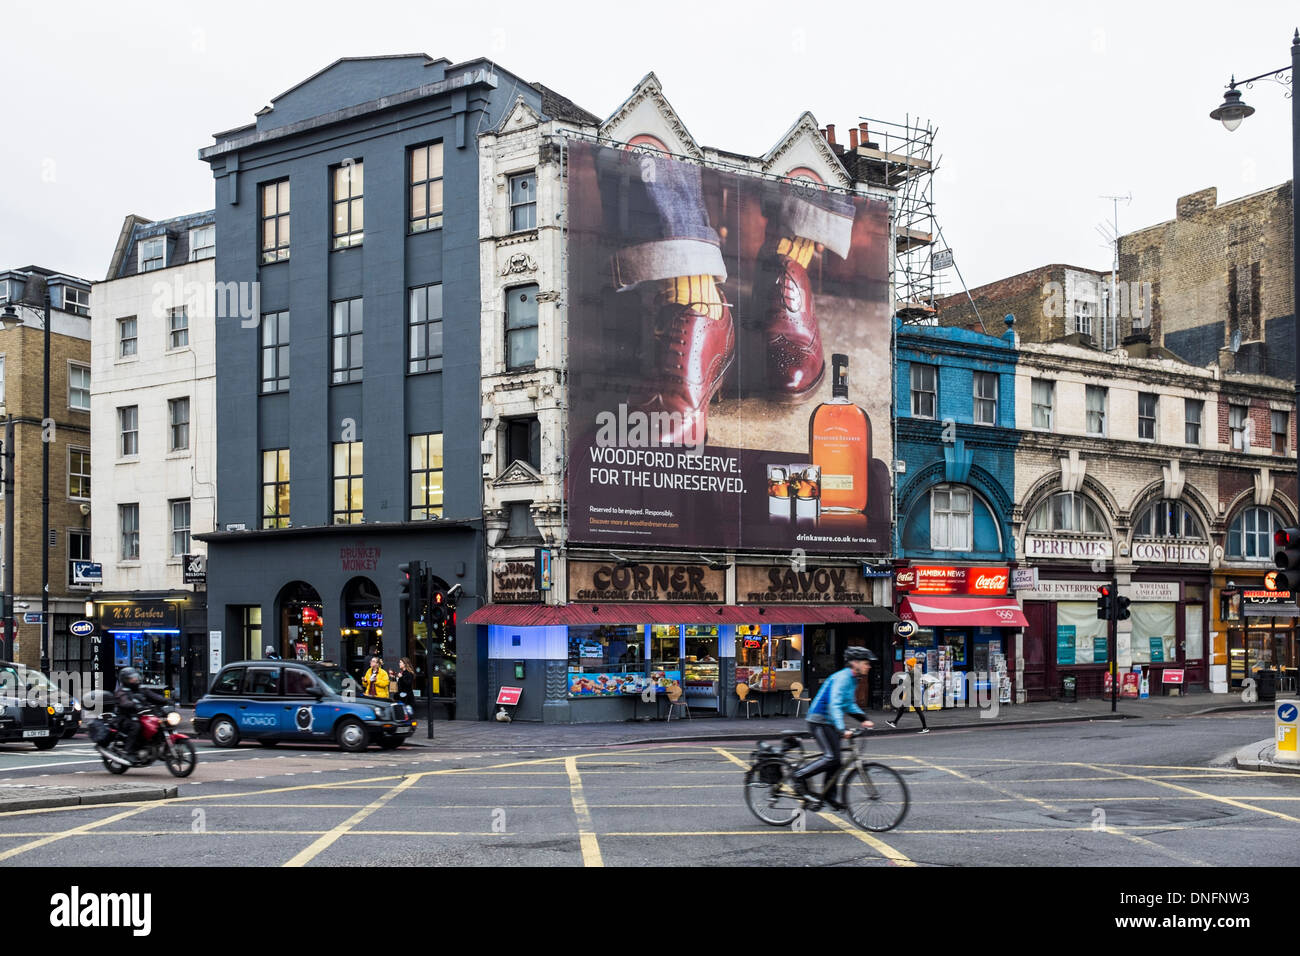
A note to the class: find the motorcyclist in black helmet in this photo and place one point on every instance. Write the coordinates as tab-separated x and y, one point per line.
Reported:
131	698
826	719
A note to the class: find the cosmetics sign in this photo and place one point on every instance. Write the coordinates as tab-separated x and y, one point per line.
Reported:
729	358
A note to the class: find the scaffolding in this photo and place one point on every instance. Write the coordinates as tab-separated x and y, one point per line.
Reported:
904	155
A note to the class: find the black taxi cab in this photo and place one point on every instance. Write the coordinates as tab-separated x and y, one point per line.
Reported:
32	710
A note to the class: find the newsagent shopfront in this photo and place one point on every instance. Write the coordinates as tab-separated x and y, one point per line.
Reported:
634	636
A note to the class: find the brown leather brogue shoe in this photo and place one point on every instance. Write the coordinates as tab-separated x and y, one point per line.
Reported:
692	355
795	364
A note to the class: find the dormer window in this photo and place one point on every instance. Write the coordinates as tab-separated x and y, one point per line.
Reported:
203	243
76	301
153	253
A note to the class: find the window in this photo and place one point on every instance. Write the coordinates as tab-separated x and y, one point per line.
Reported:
521	526
523	202
128	424
78	473
178	413
275	221
986	398
262	682
1168	519
349	182
1043	395
178	328
231	679
275	352
610	649
78	550
348	507
275	488
203	243
1096	409
1281	432
424	320
1067	511
126	337
153	253
923	390
1237	426
76	301
1250	536
79	387
347	341
524	441
180	510
426	477
1146	416
1193	410
129	521
950	518
1084	312
521	327
426	187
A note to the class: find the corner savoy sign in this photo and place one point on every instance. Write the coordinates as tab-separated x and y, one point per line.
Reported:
673	583
784	585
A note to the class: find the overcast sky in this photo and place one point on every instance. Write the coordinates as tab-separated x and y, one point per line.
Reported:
1041	109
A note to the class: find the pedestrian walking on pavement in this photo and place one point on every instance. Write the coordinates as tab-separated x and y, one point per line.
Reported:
913	693
375	680
406	683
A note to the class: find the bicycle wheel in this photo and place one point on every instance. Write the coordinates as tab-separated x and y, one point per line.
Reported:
875	796
773	803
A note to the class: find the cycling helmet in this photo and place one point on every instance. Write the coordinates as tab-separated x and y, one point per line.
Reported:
129	676
859	654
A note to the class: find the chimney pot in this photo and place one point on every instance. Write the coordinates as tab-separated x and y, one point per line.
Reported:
830	133
853	139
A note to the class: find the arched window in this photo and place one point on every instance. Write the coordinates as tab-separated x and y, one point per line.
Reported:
1250	536
1168	519
1067	511
950	518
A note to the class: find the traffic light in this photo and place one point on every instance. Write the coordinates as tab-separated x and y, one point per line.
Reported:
1105	603
1286	543
410	585
1121	607
437	608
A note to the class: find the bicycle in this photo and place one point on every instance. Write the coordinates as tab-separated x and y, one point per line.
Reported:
874	795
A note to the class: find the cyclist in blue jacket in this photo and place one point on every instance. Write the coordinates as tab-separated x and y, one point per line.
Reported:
826	721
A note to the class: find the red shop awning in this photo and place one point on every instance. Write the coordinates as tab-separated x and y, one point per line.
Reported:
549	615
963	611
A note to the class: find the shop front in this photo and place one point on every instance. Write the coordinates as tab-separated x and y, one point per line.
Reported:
145	635
639	633
966	623
1258	624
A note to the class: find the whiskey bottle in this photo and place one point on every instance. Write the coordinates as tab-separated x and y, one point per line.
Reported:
839	438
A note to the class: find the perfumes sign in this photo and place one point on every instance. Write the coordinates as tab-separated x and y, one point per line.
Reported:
728	337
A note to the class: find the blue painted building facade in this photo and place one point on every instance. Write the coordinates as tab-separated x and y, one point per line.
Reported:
956	439
351	208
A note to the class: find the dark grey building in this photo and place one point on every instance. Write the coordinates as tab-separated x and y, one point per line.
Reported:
347	287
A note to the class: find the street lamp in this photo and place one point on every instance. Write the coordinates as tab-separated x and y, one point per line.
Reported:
1230	113
9	319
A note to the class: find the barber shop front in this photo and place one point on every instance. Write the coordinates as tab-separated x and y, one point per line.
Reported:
659	640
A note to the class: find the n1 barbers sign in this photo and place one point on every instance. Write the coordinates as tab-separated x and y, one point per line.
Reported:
629	584
786	585
515	582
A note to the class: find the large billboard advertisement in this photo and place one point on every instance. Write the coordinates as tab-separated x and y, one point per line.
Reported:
729	359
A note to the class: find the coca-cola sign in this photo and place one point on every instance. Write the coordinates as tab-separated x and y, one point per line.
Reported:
942	579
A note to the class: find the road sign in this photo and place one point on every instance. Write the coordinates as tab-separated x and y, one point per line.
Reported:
87	572
509	695
33	617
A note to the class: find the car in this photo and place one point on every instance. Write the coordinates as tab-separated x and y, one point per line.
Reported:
32	708
301	701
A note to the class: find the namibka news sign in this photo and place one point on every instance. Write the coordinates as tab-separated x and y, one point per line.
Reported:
946	579
729	358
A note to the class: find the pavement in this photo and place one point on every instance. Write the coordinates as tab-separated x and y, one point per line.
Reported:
1262	756
32	796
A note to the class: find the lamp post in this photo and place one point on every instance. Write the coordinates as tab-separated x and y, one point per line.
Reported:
1230	113
10	314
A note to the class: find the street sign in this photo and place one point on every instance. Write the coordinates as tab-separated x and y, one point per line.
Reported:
33	617
87	572
509	695
942	259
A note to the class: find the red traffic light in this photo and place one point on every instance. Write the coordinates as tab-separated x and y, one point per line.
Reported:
437	597
1286	538
1103	590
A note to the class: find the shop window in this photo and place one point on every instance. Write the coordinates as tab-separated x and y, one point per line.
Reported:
1193	632
1067	511
599	656
1080	637
1168	519
1153	638
665	646
1250	536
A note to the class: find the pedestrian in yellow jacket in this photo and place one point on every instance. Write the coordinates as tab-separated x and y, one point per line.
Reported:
374	682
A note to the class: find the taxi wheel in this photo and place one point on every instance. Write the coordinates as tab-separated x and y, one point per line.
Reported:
352	736
224	732
45	743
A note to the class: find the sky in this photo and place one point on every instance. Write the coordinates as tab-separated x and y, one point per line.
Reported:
1041	109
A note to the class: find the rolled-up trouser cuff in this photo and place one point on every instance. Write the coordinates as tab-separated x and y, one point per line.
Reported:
667	259
798	217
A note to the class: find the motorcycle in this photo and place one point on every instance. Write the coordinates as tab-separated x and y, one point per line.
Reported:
157	741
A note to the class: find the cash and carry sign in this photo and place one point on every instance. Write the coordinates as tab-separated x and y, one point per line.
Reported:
710	315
